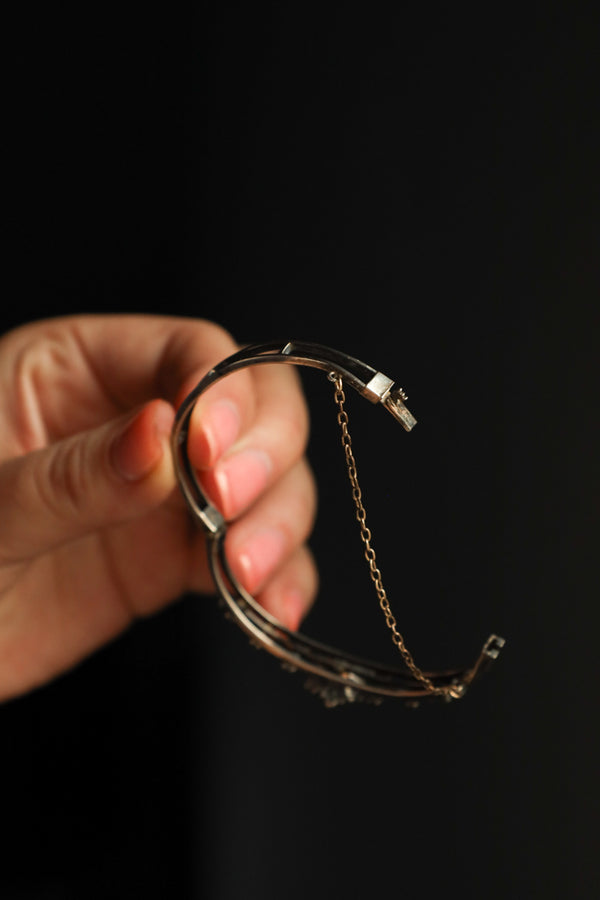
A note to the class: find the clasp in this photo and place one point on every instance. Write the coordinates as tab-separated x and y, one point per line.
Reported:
394	403
381	389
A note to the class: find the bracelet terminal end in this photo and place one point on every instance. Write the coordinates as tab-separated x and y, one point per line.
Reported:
394	402
489	652
381	389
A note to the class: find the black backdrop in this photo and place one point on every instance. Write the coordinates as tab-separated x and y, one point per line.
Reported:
418	188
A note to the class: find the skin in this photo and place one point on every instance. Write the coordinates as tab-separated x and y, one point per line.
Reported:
94	532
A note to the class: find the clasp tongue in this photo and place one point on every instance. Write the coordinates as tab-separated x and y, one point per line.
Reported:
381	389
394	402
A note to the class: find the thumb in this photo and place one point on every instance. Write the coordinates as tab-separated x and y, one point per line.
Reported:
90	480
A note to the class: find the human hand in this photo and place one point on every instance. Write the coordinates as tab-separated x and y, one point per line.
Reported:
93	531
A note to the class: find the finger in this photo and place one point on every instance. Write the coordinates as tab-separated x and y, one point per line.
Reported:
269	447
100	477
140	357
290	594
260	544
71	374
219	417
234	414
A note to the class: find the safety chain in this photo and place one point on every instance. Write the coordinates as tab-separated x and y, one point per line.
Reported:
365	534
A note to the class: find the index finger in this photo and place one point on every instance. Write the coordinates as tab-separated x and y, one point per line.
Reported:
66	375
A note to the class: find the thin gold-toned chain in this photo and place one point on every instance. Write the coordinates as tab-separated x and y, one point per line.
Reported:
365	534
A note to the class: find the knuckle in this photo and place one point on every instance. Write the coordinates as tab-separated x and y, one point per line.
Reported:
310	491
311	572
292	434
292	429
217	338
301	504
38	358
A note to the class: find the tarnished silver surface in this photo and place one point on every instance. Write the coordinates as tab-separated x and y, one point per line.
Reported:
335	676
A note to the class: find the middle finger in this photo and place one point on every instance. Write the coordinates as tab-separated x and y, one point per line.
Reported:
269	446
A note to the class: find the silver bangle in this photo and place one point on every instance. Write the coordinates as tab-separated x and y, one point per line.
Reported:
334	675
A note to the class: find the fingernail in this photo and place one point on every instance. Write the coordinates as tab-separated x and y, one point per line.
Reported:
259	556
219	428
139	448
241	479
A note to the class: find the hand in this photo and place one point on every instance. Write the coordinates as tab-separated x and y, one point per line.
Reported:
93	530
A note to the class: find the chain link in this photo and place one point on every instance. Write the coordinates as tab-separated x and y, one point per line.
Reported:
365	534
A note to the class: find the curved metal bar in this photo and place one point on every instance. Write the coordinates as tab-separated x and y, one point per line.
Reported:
336	676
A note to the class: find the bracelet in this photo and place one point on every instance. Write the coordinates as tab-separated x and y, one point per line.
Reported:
337	677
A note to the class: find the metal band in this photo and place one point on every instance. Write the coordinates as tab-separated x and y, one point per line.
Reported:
336	676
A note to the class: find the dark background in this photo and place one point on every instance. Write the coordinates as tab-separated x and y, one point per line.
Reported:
418	188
